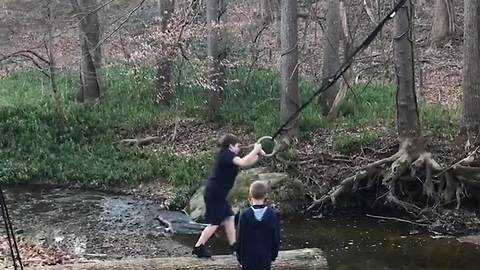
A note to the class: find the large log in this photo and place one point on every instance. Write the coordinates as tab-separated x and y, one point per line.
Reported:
311	258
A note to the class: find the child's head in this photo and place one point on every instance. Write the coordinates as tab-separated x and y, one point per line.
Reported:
258	191
229	141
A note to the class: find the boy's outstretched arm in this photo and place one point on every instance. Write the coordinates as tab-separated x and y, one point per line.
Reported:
251	158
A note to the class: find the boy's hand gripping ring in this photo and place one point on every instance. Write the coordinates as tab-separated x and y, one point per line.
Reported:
274	151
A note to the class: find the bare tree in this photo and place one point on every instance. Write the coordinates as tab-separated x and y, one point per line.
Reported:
331	61
411	158
443	26
42	56
412	163
52	68
163	85
407	110
348	38
271	14
372	9
289	64
91	81
276	14
267	10
471	71
216	51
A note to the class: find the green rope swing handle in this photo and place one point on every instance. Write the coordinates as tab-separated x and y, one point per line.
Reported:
274	151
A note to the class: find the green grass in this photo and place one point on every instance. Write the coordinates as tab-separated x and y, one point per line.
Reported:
348	143
35	144
436	121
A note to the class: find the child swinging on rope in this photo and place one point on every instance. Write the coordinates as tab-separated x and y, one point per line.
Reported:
218	211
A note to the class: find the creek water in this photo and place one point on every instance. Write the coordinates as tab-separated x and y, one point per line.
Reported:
96	224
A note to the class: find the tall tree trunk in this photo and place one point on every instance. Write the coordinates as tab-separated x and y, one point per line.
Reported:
372	9
407	109
91	81
471	71
163	85
277	14
443	26
347	38
52	68
216	54
267	12
331	61
289	64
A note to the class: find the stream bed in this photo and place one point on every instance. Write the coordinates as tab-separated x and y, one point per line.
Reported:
92	224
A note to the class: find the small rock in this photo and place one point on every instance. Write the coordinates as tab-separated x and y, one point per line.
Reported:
413	232
473	239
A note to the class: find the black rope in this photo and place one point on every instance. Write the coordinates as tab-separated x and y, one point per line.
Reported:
12	242
343	68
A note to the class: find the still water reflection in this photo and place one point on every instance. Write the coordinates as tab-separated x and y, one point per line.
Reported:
355	241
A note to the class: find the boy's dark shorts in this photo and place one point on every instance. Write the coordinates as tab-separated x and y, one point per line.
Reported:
217	210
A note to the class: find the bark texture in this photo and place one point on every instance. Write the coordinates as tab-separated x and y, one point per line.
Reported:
331	61
407	109
216	50
471	71
290	100
443	26
163	84
91	81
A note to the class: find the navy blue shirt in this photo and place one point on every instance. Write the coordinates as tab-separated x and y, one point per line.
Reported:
223	175
258	238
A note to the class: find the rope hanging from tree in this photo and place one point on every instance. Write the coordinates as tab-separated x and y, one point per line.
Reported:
338	74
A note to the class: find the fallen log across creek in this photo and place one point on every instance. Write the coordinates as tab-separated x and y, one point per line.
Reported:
309	258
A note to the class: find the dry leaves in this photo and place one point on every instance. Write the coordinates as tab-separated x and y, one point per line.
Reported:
32	254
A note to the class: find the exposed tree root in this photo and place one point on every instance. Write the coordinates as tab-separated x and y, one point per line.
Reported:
467	173
412	181
409	207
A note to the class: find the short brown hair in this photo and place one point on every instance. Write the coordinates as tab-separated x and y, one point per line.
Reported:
226	140
258	190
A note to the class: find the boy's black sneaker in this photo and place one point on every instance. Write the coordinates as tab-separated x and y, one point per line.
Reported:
201	252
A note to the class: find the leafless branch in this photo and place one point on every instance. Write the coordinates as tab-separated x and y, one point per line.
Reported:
24	53
118	27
